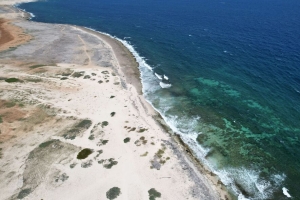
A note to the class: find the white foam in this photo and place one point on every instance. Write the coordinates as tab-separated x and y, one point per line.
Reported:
285	192
247	178
31	15
158	76
165	85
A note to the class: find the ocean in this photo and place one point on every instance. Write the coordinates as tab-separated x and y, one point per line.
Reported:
225	75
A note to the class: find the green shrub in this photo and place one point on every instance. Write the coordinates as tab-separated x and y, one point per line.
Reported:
84	153
113	193
127	140
153	194
12	80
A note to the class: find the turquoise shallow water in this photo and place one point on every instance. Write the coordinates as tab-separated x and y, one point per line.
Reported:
230	78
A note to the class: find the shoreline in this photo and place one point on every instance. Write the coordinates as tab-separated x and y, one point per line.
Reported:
185	149
132	77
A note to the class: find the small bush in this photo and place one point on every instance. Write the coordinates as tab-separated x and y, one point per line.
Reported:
113	193
87	77
84	153
127	140
105	123
77	74
112	114
112	97
36	66
12	80
145	154
86	123
141	130
91	137
153	194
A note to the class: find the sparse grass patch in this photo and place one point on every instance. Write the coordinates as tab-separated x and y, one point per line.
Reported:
140	141
87	77
68	72
113	193
1	120
73	165
141	130
102	142
64	78
10	104
145	154
127	140
87	164
77	74
46	144
113	74
36	66
24	193
112	114
105	72
153	194
74	131
132	129
159	160
111	163
99	153
21	105
63	177
12	80
84	153
160	152
93	74
34	80
92	137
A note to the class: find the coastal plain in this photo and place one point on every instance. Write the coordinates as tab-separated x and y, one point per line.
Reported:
75	125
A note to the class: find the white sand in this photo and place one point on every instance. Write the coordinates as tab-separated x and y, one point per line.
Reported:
47	109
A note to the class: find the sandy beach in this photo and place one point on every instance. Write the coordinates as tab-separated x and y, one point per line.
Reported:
75	125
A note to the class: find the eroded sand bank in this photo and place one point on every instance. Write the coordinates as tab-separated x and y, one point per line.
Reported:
67	89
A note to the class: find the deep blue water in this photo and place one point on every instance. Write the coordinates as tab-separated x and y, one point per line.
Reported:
234	67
